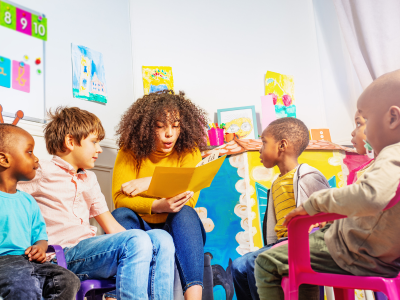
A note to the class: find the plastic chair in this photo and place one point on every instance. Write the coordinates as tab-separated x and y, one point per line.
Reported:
300	271
91	289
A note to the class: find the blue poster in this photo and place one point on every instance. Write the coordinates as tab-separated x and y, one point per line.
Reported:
5	72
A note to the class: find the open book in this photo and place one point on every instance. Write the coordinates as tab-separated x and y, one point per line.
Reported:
168	182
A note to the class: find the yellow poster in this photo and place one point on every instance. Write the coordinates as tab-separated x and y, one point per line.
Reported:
281	87
157	79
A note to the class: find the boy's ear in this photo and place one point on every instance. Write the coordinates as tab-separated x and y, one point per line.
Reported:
69	142
4	160
394	113
283	145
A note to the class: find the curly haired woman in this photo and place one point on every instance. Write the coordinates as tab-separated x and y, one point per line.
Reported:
162	129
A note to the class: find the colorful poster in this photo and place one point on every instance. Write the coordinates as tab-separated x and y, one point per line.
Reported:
5	72
281	87
157	79
21	77
88	80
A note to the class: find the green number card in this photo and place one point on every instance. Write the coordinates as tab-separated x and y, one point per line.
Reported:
8	15
39	27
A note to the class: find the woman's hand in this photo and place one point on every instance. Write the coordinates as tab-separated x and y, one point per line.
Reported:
171	205
136	186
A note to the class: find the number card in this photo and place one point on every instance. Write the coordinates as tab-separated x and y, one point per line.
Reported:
21	78
8	15
39	27
5	72
24	21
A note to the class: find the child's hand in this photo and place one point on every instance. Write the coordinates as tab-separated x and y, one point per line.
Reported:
171	205
36	253
313	226
136	186
299	211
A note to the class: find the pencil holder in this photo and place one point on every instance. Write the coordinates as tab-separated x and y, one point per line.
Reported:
216	136
229	137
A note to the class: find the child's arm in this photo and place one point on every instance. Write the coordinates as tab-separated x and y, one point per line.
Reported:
372	195
108	223
37	252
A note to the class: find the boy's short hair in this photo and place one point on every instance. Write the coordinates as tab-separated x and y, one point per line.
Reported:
291	129
6	134
77	122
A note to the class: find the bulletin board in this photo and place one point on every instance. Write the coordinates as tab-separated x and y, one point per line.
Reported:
23	34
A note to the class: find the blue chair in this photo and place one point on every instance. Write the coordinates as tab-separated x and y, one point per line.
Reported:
91	289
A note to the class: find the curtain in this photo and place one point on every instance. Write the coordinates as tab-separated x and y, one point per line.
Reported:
371	30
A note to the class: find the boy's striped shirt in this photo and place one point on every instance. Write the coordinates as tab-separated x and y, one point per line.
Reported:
284	202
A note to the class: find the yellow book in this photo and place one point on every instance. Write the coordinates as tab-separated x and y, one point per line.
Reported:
168	182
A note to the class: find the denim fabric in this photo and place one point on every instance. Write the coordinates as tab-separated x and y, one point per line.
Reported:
189	237
243	274
142	262
23	279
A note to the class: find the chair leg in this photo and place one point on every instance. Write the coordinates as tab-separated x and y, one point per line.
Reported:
289	295
344	294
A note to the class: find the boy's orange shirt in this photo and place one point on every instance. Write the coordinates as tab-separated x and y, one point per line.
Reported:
124	171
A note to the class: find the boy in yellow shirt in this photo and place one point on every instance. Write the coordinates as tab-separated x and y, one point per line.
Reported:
283	142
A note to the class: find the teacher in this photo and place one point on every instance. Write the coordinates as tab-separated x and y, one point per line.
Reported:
167	130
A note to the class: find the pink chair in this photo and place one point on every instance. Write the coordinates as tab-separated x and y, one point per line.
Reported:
300	271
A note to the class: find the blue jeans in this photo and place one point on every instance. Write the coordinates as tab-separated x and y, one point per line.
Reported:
189	237
142	262
24	279
243	274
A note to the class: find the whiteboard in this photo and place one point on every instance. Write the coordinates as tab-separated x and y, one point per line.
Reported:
15	46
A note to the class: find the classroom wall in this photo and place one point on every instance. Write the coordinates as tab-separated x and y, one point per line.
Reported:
103	26
219	51
340	84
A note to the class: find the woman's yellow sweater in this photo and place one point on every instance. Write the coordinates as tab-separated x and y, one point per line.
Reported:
125	170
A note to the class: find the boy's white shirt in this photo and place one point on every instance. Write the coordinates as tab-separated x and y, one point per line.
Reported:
309	180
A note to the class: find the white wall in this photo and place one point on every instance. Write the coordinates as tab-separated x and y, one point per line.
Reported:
219	51
340	83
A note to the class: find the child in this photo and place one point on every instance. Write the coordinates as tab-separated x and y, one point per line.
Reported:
24	274
283	142
366	242
162	129
68	195
358	141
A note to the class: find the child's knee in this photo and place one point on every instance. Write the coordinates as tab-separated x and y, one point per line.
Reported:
161	239
137	241
238	266
70	281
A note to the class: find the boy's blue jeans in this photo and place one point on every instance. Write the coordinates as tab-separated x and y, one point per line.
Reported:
188	235
142	262
243	274
24	279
